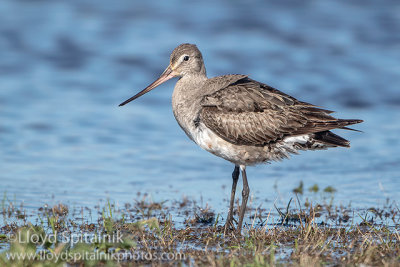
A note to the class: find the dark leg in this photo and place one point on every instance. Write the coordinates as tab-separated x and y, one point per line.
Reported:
235	178
245	196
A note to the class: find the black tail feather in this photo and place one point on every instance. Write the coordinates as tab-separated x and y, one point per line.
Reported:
351	129
329	138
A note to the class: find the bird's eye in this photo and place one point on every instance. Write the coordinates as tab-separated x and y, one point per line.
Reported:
186	58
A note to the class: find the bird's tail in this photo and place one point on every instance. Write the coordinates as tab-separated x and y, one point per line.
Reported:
331	139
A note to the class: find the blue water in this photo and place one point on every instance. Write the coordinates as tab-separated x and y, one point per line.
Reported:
66	65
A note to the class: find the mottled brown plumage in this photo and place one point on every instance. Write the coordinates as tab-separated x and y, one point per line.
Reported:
242	120
246	112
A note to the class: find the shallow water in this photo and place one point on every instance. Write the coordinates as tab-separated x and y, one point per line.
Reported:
66	65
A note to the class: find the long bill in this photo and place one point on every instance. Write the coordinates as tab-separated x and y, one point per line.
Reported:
165	76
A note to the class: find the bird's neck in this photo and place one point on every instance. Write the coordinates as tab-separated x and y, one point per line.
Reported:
188	92
189	86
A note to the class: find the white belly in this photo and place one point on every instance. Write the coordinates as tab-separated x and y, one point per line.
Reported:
211	142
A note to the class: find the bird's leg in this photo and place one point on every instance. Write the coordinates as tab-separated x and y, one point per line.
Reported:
235	178
245	196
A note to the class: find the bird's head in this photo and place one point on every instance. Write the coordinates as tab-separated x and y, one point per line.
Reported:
186	59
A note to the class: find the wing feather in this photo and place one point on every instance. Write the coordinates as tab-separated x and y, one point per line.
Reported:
250	113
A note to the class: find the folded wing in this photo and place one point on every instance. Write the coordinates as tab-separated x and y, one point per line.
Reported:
247	112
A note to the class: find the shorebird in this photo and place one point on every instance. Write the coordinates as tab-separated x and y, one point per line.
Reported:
241	120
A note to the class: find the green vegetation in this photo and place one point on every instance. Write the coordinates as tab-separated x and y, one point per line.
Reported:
314	188
147	233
